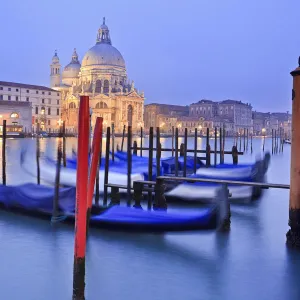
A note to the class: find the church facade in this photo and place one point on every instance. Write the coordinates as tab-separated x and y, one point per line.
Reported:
102	76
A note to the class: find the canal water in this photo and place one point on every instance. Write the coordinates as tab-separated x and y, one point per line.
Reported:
251	262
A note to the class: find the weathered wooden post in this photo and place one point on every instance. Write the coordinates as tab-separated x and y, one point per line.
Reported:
272	141
38	154
141	143
150	165
185	152
64	155
221	145
216	147
181	150
55	213
172	141
97	194
195	150
207	148
160	202
137	194
106	166
135	148
240	141
244	139
123	136
4	152
251	142
235	156
158	151
129	164
113	141
275	141
176	152
293	235
247	138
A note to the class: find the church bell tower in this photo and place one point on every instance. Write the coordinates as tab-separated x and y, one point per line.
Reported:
55	71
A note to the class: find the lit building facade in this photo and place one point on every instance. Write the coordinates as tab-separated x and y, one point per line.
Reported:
102	76
18	116
44	102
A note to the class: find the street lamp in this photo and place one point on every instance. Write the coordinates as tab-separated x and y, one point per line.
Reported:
264	137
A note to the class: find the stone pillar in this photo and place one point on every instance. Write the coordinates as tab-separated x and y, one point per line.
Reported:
293	235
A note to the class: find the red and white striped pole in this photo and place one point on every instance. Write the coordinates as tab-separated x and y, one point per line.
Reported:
95	155
81	199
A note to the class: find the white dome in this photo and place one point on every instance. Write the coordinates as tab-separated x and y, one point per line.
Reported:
103	54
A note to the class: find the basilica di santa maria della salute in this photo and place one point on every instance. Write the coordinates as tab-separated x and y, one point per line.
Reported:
101	76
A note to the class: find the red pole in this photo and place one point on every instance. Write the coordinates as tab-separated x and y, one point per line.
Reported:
95	151
81	196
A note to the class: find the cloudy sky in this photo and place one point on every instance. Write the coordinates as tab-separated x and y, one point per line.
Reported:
176	51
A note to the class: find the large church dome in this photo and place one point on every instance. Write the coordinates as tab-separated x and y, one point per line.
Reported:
103	53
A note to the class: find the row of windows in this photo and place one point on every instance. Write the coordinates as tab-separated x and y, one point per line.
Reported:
43	123
27	91
9	98
43	111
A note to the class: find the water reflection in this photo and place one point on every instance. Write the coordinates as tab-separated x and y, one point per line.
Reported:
251	261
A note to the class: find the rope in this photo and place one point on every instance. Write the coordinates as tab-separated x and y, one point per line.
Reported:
57	219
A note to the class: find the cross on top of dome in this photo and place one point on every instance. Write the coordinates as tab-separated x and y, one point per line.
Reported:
103	34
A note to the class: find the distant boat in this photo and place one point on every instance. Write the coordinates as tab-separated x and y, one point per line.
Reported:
287	141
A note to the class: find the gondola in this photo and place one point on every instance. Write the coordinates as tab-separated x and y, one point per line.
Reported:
37	200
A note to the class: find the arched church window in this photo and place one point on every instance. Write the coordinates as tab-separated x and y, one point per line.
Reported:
14	115
106	87
98	86
101	105
129	115
72	105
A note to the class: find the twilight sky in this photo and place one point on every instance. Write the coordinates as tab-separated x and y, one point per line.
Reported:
176	51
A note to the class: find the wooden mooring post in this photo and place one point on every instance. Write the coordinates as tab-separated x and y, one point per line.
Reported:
221	145
172	141
141	143
38	154
4	152
129	164
176	151
55	213
216	146
64	155
113	141
272	141
150	164
207	148
293	235
185	152
195	150
158	151
244	139
81	200
106	166
123	137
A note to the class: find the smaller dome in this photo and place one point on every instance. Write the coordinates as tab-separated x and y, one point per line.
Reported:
72	69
